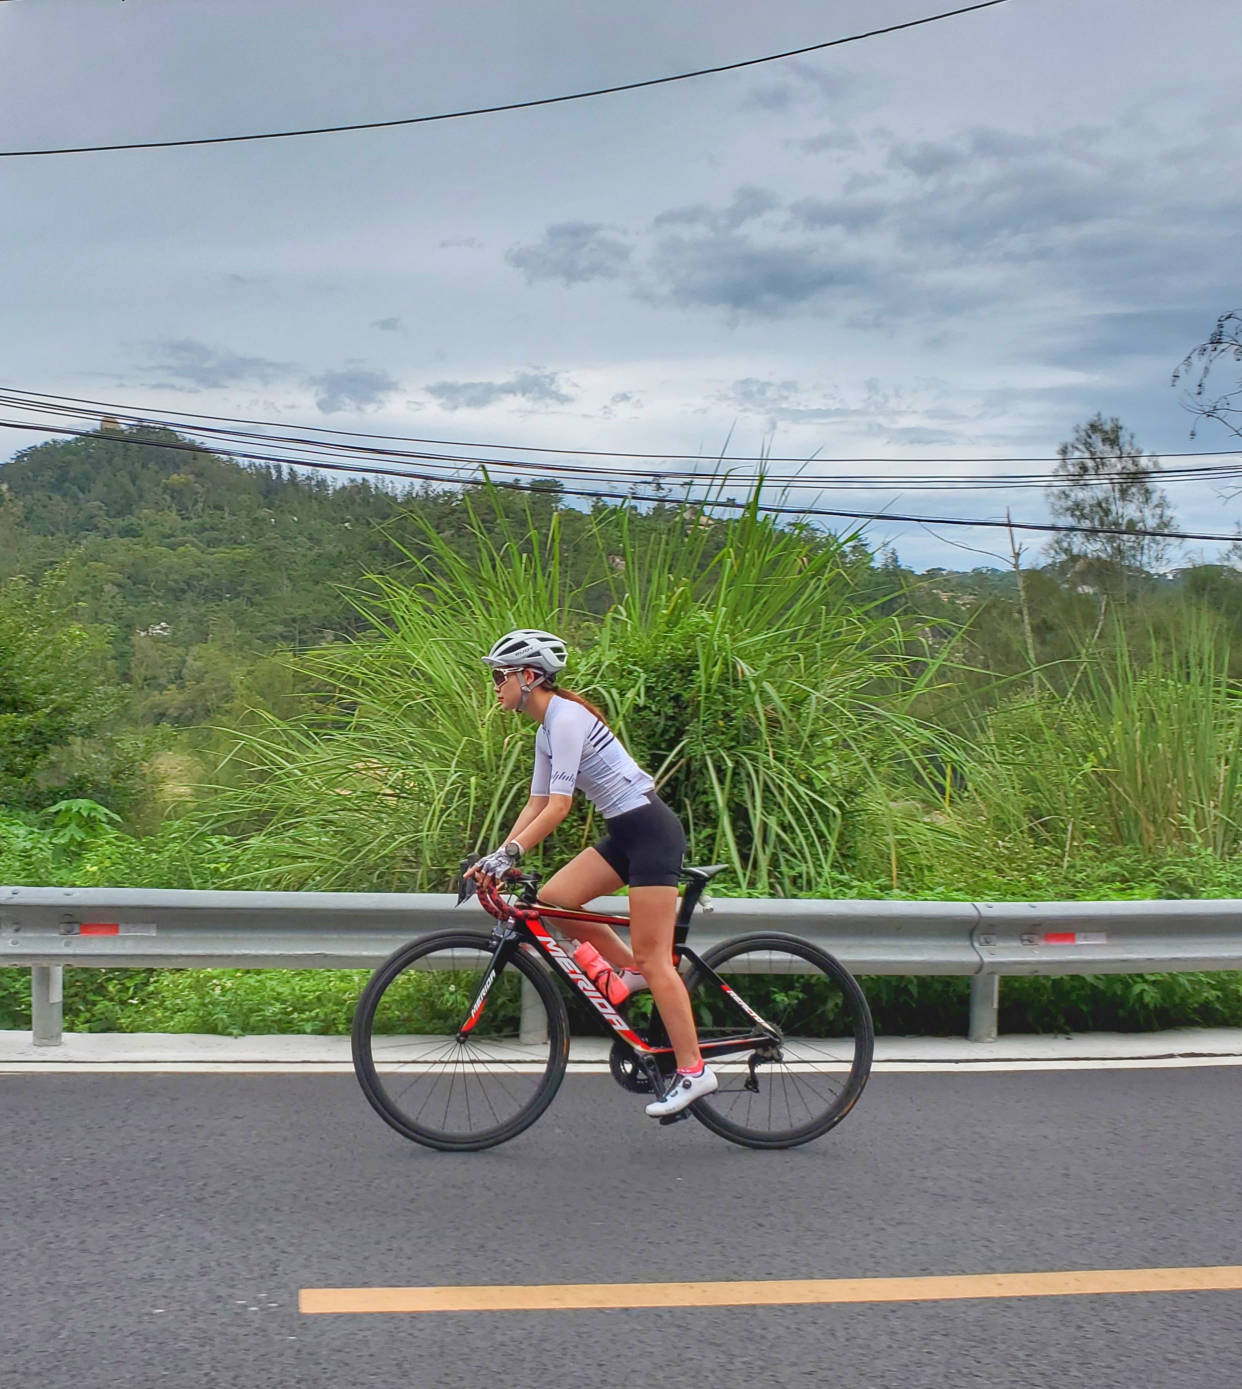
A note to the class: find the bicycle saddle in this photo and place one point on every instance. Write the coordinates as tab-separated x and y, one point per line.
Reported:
703	875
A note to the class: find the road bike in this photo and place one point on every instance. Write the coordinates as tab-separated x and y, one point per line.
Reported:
461	1038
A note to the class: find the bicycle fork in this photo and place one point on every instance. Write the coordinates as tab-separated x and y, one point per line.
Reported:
503	953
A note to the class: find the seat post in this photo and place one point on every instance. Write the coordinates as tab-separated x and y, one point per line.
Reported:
689	900
696	882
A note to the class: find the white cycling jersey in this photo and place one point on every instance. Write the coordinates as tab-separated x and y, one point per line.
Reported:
576	751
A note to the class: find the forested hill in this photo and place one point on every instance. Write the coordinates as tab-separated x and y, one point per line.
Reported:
148	535
147	586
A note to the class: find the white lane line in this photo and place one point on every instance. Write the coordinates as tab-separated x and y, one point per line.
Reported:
186	1067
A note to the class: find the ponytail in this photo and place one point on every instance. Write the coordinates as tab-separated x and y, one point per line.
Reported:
578	699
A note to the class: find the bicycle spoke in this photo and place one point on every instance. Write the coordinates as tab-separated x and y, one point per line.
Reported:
419	1076
501	1085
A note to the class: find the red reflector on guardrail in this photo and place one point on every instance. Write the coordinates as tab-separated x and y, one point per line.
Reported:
1075	938
100	928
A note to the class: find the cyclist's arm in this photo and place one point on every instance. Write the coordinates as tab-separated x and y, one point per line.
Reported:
529	812
534	829
540	816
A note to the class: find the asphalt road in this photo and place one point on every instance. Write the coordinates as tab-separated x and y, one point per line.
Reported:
157	1230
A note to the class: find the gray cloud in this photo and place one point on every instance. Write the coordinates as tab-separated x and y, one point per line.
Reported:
877	409
188	363
804	86
991	145
626	398
746	276
572	252
196	366
353	388
776	96
940	230
831	84
538	386
1030	209
921	232
927	158
917	435
698	254
760	397
747	203
1084	340
816	214
388	325
831	140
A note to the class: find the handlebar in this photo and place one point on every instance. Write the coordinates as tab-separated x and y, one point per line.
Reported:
493	903
489	897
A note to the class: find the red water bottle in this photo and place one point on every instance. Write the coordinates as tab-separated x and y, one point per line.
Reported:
601	973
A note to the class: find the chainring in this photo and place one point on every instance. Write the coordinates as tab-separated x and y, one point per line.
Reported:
626	1069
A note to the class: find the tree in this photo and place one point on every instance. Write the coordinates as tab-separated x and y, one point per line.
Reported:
1224	345
54	688
1107	487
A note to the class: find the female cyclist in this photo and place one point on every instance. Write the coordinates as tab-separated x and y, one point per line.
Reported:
643	846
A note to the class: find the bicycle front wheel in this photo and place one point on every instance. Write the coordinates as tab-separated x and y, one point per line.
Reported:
436	1076
777	1094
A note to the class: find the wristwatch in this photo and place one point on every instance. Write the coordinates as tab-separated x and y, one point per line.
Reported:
514	850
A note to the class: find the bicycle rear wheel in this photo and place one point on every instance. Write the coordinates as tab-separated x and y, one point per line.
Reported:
779	1094
432	1076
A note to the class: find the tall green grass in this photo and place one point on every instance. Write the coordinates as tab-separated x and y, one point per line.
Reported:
1142	753
799	727
734	657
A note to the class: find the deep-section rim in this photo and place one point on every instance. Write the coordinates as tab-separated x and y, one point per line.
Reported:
864	1040
529	967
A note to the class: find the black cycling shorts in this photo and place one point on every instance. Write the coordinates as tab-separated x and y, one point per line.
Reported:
645	847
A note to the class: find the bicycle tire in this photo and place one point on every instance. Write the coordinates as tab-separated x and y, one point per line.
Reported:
795	1081
398	996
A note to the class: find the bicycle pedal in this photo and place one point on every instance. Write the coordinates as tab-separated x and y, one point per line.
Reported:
674	1118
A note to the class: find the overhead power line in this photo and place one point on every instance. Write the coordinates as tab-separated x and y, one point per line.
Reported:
632	496
507	106
448	467
222	426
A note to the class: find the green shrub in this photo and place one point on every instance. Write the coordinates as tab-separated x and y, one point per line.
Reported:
238	1002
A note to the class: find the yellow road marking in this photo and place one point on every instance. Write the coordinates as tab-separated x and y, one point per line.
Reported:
941	1287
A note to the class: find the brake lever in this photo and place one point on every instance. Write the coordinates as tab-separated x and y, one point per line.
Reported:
468	887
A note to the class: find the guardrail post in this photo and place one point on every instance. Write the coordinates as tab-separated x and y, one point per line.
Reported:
533	1027
47	1004
984	1006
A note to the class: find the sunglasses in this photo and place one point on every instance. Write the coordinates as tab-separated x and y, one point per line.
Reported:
500	676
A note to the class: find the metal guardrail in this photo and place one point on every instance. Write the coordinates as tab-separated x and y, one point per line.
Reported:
46	929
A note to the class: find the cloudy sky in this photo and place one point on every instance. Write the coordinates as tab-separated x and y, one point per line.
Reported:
953	242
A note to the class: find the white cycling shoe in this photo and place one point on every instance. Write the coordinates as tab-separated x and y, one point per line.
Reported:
685	1092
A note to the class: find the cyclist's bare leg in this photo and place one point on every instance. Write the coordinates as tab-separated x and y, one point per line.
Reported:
653	917
584	878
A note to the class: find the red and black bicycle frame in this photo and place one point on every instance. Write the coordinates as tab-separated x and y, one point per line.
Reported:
523	925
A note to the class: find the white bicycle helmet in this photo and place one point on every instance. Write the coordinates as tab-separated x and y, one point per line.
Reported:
528	648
